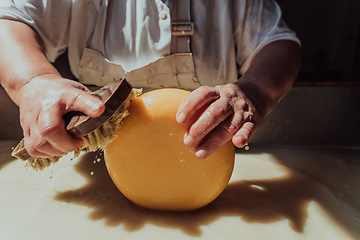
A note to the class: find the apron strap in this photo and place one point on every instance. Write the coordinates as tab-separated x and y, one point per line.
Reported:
181	26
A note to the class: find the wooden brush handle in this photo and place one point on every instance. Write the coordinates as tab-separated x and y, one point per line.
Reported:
78	124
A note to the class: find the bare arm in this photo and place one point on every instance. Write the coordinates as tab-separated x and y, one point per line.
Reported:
22	57
42	95
235	111
273	71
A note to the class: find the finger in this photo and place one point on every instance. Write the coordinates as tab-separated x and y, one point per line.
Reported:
38	147
79	100
32	151
194	102
220	135
242	137
46	148
210	118
63	142
52	129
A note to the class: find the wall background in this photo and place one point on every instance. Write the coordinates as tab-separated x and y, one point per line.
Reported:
330	36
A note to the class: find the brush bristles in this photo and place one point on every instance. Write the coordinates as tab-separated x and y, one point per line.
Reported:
95	140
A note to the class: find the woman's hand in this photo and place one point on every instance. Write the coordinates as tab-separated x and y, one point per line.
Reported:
42	95
235	111
42	102
218	114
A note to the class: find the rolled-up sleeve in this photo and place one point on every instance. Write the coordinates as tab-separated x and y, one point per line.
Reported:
260	24
49	18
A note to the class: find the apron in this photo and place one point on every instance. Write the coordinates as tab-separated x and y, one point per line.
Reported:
172	71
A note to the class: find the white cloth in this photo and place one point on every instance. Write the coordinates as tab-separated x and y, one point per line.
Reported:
227	33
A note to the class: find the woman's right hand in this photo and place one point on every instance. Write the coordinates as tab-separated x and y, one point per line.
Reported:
43	101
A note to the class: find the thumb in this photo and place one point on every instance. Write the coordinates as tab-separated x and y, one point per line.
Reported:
84	102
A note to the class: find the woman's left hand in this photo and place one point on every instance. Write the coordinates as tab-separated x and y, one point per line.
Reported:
218	114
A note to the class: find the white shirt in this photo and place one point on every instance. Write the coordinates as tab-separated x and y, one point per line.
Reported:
228	33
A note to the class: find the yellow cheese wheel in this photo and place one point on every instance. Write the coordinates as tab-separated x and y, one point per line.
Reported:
152	167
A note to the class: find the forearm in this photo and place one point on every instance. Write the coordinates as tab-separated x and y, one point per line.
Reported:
21	57
271	74
42	95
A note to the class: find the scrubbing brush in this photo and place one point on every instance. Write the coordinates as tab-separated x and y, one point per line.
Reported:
96	132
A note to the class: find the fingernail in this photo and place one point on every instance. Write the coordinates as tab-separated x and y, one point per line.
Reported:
201	153
189	141
95	106
181	118
239	141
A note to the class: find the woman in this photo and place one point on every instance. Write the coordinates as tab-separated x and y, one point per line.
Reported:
239	56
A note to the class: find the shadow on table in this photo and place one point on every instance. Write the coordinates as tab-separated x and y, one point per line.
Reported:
264	201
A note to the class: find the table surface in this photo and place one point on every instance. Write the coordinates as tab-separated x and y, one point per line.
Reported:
274	193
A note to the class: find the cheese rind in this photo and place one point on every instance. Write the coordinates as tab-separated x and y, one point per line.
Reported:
151	165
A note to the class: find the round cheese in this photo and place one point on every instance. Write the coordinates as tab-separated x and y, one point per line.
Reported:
151	165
